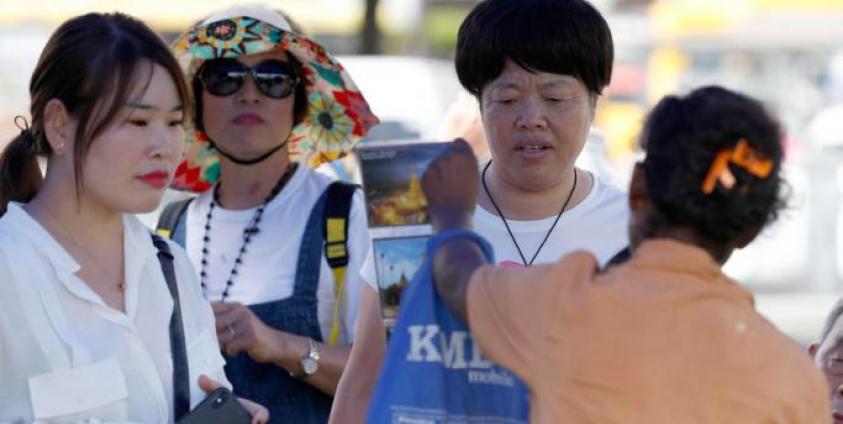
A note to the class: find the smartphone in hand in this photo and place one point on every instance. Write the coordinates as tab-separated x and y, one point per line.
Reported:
220	407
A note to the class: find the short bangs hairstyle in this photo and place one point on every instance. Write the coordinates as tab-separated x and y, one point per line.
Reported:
566	37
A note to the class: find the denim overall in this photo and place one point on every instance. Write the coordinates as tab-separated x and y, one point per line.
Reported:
288	399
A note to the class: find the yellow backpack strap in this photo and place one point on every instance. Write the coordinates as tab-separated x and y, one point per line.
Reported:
335	235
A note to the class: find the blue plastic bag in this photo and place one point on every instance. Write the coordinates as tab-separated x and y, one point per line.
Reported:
434	371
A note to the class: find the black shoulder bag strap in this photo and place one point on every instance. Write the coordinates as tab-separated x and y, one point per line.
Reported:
170	216
181	376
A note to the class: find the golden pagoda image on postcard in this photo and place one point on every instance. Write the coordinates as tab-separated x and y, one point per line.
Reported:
392	175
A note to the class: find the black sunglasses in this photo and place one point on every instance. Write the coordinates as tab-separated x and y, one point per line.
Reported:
273	78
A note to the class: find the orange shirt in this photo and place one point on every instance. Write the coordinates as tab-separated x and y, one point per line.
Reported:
663	338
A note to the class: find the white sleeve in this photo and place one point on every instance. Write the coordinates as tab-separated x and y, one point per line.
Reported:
359	247
368	271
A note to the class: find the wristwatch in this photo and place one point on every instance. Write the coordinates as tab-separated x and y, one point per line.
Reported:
309	362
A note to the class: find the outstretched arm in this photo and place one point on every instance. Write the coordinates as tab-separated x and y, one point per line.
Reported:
453	265
450	185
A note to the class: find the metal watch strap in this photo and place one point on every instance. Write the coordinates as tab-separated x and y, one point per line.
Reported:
312	353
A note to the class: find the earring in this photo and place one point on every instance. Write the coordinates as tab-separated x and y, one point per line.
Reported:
59	150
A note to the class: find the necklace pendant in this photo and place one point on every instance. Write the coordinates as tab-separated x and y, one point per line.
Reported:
506	224
249	231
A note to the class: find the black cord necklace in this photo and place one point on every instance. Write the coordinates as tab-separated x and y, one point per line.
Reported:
248	232
506	224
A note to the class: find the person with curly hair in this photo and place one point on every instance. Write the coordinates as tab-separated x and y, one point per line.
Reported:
665	336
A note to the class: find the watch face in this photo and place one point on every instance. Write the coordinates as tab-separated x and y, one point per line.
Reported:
309	365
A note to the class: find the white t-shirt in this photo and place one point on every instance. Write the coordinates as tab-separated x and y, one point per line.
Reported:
598	224
268	268
67	357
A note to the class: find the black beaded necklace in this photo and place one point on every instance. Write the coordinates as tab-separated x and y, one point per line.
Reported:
248	232
506	224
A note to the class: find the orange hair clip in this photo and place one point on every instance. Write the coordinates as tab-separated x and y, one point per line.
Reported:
741	155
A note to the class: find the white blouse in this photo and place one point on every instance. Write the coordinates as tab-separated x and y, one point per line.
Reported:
67	357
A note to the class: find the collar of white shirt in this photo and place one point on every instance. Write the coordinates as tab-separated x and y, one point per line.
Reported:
138	250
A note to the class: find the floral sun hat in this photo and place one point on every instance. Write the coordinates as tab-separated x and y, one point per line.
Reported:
337	115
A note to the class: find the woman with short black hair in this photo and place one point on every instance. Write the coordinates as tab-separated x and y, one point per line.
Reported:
537	68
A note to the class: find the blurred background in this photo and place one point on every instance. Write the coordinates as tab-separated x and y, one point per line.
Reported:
789	53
